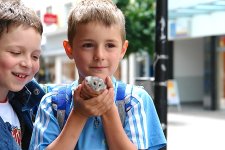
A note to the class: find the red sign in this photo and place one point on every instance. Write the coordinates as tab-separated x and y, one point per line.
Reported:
50	18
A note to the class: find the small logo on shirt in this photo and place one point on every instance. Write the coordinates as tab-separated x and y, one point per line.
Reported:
16	133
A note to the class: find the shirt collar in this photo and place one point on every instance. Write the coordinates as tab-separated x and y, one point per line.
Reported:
21	96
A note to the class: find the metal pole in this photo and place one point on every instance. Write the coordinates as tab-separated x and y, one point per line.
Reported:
160	64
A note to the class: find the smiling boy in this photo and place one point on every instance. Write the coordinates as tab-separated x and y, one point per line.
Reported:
20	49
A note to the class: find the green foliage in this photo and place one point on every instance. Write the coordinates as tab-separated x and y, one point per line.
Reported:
140	24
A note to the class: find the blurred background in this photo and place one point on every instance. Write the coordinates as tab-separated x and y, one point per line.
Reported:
196	62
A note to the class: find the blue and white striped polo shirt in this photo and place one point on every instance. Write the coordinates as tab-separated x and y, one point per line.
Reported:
141	125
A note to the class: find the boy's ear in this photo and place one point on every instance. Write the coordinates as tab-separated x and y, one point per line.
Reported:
68	49
124	49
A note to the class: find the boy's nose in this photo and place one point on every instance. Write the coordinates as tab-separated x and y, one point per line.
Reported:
99	54
26	63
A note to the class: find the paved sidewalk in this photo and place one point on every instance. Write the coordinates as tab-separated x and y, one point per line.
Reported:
194	128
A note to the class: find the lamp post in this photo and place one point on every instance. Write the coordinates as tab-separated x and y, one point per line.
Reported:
160	63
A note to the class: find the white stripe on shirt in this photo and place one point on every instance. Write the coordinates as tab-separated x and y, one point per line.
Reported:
40	119
142	136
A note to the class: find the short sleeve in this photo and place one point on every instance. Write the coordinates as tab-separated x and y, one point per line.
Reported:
142	124
46	127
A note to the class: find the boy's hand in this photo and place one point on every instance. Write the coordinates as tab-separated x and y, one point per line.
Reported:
93	103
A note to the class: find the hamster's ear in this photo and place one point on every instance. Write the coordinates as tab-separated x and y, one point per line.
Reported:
68	49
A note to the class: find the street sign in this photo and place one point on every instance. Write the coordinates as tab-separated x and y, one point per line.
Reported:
50	18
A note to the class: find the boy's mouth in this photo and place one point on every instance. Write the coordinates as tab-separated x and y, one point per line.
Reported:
98	67
20	75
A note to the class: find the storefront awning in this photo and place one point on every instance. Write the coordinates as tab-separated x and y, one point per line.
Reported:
196	7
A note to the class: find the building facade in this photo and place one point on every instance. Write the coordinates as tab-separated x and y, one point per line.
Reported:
196	31
57	67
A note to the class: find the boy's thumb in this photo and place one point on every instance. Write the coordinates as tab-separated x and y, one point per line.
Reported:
109	82
77	91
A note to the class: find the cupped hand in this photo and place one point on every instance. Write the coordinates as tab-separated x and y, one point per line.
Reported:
95	106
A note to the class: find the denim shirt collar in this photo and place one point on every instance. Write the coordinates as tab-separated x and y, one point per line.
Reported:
29	96
22	96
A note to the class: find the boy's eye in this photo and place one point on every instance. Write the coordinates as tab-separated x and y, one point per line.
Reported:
15	52
110	45
87	45
36	57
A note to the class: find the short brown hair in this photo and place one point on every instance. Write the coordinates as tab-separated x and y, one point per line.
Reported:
104	11
15	13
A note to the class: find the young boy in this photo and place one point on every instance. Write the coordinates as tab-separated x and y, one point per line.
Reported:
20	49
96	42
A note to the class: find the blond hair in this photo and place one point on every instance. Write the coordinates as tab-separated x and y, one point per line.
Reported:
15	13
103	11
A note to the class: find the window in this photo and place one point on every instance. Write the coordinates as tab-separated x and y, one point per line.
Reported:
49	9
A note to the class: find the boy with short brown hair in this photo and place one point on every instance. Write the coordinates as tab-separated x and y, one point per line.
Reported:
20	49
97	44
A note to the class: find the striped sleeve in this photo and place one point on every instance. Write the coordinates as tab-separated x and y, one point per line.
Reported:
46	127
142	124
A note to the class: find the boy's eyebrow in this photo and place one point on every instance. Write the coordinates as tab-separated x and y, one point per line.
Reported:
86	39
92	40
38	50
112	40
22	47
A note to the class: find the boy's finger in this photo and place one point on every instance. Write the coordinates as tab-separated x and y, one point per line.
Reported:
106	102
77	91
109	82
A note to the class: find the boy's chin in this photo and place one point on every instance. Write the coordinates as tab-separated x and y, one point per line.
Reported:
103	77
17	88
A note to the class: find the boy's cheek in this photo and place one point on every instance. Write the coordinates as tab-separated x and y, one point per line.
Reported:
36	68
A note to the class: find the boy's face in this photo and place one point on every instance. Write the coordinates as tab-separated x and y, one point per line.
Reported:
20	49
97	49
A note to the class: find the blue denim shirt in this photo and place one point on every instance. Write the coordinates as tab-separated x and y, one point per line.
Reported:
25	104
